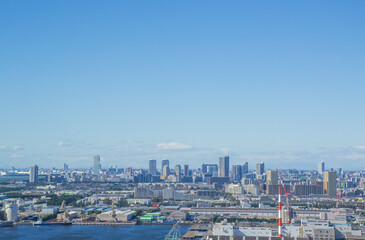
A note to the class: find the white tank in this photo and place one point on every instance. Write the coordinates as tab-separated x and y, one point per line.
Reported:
11	211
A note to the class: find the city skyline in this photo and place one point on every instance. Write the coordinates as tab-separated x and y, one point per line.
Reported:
137	81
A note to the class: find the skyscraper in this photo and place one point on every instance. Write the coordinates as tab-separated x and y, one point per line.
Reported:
152	167
321	167
260	168
165	162
186	170
237	172
65	167
223	166
33	174
329	183
272	177
97	165
245	168
165	171
178	173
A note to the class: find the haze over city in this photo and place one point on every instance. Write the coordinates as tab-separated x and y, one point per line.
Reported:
186	81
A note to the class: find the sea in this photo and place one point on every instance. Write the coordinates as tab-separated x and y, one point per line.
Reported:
79	232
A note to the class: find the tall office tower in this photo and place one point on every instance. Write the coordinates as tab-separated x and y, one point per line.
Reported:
165	171
237	172
186	170
33	174
321	167
178	173
65	167
223	166
97	165
152	167
272	177
260	168
165	162
245	168
329	183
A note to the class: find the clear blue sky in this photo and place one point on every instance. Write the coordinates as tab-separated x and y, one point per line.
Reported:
275	81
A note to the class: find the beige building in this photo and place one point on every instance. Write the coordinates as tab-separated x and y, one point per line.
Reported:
329	183
272	177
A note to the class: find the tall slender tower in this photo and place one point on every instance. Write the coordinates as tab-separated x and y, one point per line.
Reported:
152	167
186	170
321	167
280	222
33	174
245	168
97	165
223	166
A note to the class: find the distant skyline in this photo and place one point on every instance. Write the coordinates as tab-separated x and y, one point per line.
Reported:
279	82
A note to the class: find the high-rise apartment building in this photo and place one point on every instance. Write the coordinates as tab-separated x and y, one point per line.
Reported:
33	174
152	167
165	162
223	166
329	183
321	167
237	172
272	177
97	165
260	168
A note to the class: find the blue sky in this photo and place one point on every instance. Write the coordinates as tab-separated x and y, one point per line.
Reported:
275	81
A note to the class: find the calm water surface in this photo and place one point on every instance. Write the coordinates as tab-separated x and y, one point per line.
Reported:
135	232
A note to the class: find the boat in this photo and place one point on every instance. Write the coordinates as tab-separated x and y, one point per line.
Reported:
41	223
7	224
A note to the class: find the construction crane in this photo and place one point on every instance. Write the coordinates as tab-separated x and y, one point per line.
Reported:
286	196
340	194
63	205
174	234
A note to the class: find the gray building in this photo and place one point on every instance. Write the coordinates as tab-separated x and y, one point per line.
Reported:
97	165
209	168
223	166
178	173
33	174
237	172
152	167
321	167
186	170
260	168
245	168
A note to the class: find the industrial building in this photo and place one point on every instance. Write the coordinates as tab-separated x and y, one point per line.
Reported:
120	216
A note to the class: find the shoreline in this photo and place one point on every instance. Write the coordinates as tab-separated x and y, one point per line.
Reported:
110	223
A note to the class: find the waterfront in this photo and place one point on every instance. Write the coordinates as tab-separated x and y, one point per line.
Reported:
134	232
